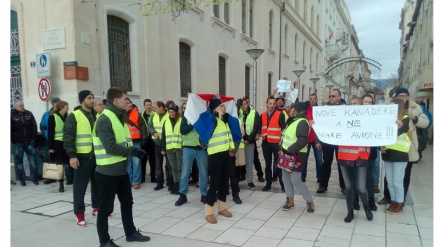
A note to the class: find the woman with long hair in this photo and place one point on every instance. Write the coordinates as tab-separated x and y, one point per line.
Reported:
55	133
395	159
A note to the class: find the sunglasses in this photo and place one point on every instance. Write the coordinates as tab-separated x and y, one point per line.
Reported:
332	96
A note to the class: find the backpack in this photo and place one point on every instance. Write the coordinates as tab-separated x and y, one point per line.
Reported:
428	114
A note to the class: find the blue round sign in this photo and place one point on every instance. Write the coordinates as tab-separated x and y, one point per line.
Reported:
43	60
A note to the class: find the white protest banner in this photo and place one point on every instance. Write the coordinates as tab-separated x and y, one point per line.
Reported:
356	125
283	86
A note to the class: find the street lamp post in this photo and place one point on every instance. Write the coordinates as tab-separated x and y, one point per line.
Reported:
298	75
314	80
255	53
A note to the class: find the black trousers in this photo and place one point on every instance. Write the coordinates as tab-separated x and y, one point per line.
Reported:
233	177
218	171
109	187
271	150
81	177
159	168
328	152
406	181
151	158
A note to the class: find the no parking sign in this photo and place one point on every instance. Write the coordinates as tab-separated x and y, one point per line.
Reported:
44	89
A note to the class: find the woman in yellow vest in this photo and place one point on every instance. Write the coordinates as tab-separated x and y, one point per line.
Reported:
395	159
294	143
220	149
55	133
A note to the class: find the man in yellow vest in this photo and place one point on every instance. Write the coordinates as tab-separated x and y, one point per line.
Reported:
138	131
77	138
112	143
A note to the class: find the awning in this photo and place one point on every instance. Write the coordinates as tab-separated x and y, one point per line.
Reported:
426	87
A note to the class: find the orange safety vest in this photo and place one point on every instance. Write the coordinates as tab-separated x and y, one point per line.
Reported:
135	132
271	133
351	153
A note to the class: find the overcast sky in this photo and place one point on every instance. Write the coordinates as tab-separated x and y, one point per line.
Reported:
377	27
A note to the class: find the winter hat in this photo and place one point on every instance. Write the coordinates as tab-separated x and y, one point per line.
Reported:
55	100
214	103
83	95
300	106
173	107
402	90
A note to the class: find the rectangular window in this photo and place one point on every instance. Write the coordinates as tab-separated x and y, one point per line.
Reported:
247	81
222	75
185	69
226	13
269	84
216	10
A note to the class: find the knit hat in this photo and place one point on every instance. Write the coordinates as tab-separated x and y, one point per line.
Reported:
280	97
300	106
83	95
214	103
402	90
55	100
173	107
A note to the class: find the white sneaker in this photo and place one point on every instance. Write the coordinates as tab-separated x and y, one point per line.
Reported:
80	221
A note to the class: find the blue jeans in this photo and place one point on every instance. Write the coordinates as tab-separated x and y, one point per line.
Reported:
20	149
355	178
395	172
201	156
376	172
134	167
318	157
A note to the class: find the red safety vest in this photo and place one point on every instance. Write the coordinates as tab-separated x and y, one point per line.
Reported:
135	133
352	153
271	133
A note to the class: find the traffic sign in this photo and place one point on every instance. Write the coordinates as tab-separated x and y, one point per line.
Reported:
43	65
44	89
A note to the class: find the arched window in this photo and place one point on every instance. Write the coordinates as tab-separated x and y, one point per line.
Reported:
247	81
316	63
226	12
270	28
303	87
119	52
312	19
317	26
296	47
310	56
251	18
304	53
185	68
222	75
243	16
286	37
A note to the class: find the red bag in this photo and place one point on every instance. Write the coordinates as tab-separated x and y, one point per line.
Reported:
287	162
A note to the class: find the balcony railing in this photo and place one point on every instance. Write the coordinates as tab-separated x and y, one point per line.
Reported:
333	51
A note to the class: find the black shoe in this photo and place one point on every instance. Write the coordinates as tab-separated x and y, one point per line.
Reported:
349	216
203	199
61	189
35	182
303	179
372	204
158	187
252	186
182	199
266	187
23	183
69	182
368	213
137	237
321	190
236	199
261	179
109	244
49	181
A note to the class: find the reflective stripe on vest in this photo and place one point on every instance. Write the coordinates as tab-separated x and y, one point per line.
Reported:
271	133
134	130
221	139
158	124
59	124
83	140
250	119
289	135
122	138
191	139
173	138
351	153
403	143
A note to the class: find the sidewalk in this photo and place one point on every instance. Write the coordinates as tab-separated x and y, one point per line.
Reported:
41	216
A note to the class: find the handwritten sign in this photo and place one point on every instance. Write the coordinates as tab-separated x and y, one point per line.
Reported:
356	125
283	86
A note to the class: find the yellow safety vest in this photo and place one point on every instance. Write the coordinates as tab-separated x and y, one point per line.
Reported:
59	124
191	139
83	140
403	143
221	139
289	135
158	124
122	136
173	138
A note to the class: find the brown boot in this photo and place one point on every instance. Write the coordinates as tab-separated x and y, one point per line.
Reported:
209	212
397	209
310	207
289	204
223	209
383	201
391	207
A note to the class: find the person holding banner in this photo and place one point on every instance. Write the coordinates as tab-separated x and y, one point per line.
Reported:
395	159
294	143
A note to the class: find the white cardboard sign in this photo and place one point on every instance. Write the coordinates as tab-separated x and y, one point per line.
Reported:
356	125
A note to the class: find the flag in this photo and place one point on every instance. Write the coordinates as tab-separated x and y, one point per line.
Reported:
234	124
330	36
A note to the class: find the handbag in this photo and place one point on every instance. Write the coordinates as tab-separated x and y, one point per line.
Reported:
53	171
287	162
239	157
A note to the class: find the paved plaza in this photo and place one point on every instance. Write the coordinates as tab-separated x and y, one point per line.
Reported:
41	216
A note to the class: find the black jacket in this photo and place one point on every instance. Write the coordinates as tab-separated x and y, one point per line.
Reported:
23	127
